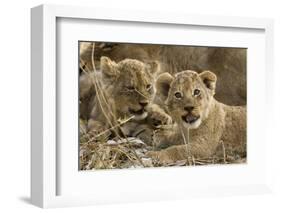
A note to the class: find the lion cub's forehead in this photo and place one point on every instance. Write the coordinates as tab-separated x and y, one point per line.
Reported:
186	78
133	72
130	65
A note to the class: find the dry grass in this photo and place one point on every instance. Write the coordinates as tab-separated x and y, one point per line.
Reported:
99	153
102	152
131	153
124	153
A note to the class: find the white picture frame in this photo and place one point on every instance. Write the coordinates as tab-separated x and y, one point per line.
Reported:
45	178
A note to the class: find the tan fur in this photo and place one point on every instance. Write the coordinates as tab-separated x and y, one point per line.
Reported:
209	121
128	88
117	52
228	64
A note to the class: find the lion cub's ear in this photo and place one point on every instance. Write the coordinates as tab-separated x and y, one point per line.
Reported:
163	84
108	67
153	66
209	79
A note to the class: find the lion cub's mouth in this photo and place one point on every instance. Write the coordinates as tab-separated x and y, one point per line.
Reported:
136	112
189	118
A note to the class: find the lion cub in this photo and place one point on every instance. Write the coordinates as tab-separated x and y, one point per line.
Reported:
126	90
189	99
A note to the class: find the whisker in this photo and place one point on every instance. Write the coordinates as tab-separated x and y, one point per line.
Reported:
141	94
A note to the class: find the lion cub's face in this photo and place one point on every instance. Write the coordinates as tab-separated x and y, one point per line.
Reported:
130	85
188	95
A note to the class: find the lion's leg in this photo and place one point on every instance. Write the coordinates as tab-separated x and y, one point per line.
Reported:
182	152
157	116
166	136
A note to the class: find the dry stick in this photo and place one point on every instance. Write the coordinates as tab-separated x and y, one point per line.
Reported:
95	84
99	91
193	161
84	135
202	162
224	153
100	95
103	111
185	136
140	93
93	64
120	124
100	158
134	152
125	153
96	87
95	152
206	160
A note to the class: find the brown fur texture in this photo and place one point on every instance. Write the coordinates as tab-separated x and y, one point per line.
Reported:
127	90
189	101
229	64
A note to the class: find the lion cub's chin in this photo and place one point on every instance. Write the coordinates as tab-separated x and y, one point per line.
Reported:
140	117
193	125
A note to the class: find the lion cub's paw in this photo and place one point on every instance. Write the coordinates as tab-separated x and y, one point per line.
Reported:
160	138
160	157
158	117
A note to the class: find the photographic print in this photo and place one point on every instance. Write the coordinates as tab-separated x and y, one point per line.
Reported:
154	105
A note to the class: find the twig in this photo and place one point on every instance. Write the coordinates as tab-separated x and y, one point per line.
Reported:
141	93
99	92
113	127
105	108
185	136
224	153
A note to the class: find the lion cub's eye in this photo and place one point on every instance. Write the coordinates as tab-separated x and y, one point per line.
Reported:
148	87
196	92
178	95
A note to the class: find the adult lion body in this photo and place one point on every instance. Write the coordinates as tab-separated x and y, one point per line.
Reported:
190	102
229	64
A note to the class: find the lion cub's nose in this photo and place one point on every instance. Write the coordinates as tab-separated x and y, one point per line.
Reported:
143	103
188	108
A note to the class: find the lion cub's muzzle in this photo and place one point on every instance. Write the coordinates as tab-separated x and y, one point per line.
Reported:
139	113
189	117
